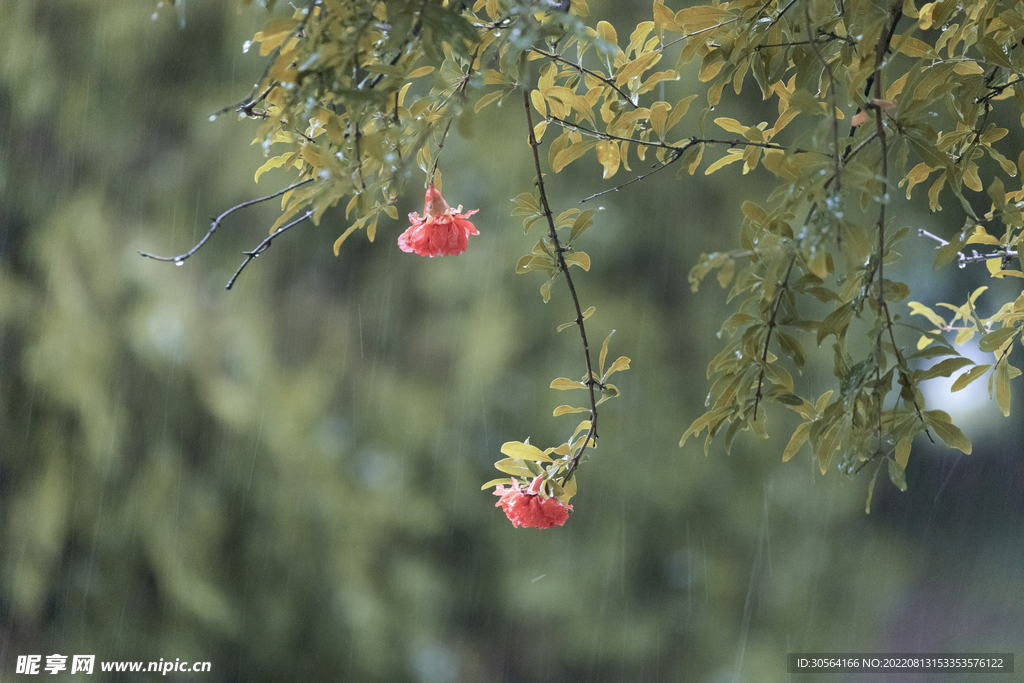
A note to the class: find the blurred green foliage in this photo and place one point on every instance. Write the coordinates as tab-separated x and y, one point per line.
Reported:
281	480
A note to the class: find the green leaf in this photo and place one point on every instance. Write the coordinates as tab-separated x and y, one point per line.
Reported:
799	438
835	323
517	468
903	451
944	368
708	420
564	383
992	341
495	482
871	492
896	475
947	431
582	222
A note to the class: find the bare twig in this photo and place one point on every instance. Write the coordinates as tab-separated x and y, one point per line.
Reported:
665	164
216	223
263	246
975	257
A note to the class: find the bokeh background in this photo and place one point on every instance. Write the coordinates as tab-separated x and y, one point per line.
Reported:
284	479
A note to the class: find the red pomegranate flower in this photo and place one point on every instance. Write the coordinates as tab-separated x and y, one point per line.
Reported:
527	508
443	231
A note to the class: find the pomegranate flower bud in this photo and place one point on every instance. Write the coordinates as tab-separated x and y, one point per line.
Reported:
443	231
528	508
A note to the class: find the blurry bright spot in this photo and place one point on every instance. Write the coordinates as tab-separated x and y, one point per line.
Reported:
165	331
378	470
971	408
434	664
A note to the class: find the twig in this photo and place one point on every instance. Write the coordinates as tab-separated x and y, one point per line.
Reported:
975	257
689	141
665	164
771	327
216	223
880	51
582	69
564	267
461	93
246	105
263	246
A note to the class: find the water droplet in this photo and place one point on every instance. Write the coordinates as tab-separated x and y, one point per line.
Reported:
213	117
246	45
179	262
962	264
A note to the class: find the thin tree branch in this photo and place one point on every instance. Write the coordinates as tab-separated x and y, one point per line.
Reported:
582	69
216	223
263	246
564	267
689	142
963	259
783	286
883	308
246	105
665	164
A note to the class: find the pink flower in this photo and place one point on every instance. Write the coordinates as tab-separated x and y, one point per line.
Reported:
527	508
443	231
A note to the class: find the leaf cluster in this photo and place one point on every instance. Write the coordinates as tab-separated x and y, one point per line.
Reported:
869	97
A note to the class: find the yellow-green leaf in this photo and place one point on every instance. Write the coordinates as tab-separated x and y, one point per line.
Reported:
608	156
523	451
947	431
800	435
903	451
732	156
566	409
564	383
731	125
621	363
992	341
1002	380
571	154
969	376
422	71
578	258
337	242
517	468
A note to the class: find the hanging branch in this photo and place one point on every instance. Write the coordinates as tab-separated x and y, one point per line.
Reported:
881	49
264	245
591	381
216	223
